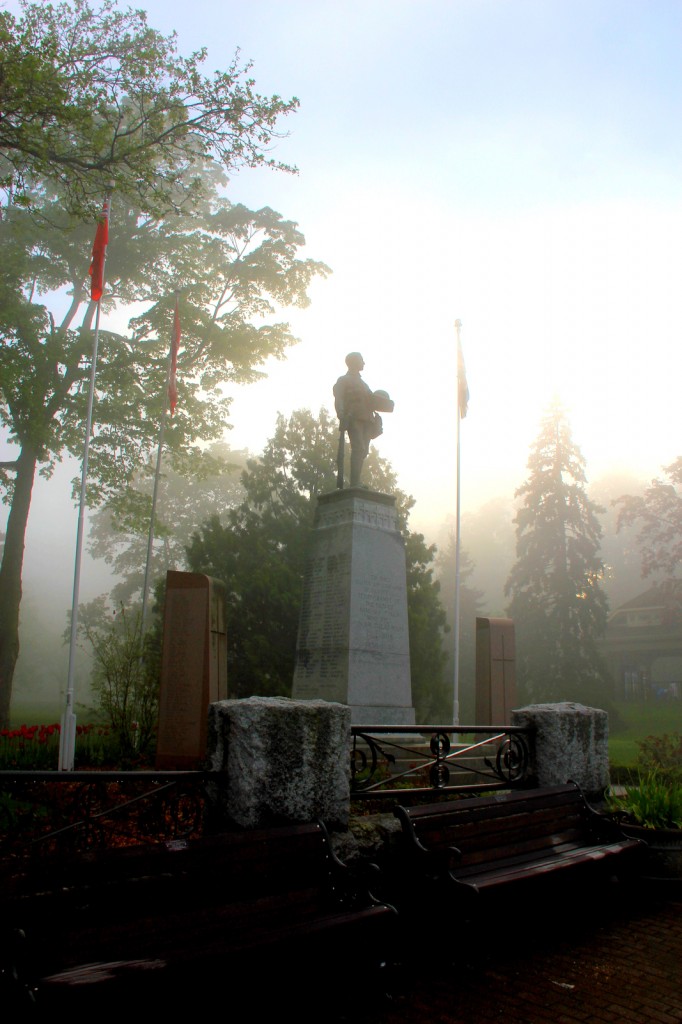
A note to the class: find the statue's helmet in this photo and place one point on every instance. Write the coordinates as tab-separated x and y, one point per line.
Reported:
354	361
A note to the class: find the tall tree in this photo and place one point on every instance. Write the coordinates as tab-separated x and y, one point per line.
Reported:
619	549
489	539
234	267
431	692
557	601
658	515
259	552
470	606
94	100
119	531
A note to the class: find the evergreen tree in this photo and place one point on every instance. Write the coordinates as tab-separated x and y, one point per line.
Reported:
557	601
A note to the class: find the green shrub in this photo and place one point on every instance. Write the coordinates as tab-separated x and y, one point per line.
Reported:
125	676
663	755
654	802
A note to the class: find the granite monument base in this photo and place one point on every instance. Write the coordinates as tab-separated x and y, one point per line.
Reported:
353	644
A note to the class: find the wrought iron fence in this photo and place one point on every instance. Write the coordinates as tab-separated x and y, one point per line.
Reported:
386	759
48	812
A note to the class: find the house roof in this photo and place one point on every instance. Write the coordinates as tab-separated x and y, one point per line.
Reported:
661	595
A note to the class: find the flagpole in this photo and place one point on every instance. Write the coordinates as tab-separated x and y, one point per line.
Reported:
455	701
150	539
157	476
67	736
172	356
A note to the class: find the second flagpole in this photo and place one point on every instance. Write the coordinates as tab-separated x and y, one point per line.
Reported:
168	397
455	698
67	735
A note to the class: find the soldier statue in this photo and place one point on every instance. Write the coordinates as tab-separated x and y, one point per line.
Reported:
357	408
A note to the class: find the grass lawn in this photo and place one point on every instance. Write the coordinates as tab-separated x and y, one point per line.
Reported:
38	713
634	722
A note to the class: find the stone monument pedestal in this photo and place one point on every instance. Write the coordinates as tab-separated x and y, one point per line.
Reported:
495	671
193	667
353	644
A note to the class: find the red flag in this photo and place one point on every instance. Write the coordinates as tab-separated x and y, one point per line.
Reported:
99	250
173	382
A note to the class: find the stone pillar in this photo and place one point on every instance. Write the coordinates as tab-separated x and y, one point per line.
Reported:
193	666
571	745
285	760
353	644
495	671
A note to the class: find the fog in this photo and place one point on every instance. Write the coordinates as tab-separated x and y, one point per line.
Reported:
515	166
41	676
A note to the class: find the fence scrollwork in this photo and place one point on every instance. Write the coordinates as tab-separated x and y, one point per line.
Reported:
386	760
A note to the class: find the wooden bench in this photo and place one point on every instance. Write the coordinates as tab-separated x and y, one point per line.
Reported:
175	919
484	845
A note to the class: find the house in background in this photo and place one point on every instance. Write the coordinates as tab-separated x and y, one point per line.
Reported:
643	645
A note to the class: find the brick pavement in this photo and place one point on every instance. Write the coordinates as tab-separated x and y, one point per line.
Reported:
616	964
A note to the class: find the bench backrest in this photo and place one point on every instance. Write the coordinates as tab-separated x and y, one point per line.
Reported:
484	829
235	867
114	904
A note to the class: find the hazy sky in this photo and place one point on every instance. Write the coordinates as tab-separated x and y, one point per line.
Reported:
513	164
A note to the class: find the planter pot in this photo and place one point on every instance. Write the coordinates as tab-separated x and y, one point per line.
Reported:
664	849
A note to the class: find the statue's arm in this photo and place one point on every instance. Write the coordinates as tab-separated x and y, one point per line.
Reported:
339	404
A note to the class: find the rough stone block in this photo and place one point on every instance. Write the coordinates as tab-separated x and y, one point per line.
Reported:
285	760
571	745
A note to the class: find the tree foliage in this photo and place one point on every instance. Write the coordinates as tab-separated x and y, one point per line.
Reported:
470	606
488	537
658	514
431	695
93	100
557	601
260	549
234	269
125	675
119	531
619	548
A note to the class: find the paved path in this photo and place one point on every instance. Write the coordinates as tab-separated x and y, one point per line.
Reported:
617	965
